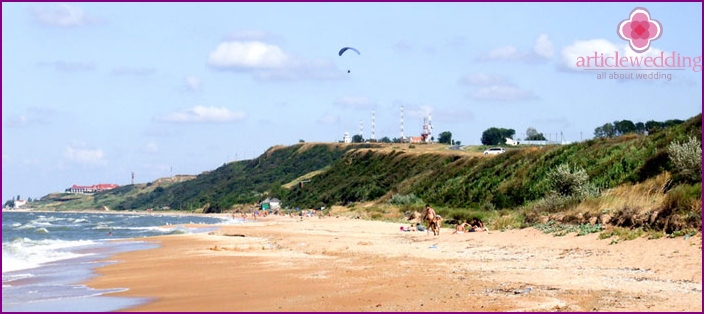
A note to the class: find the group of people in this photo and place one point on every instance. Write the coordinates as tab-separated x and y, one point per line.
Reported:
434	221
475	226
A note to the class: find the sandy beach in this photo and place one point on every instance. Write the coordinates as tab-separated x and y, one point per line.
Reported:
344	264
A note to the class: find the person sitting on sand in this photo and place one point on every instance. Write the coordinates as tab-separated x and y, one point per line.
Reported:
420	227
460	227
477	226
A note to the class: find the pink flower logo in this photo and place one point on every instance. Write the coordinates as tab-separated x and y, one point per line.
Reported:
639	30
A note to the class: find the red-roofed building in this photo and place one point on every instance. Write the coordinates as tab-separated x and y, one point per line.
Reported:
91	188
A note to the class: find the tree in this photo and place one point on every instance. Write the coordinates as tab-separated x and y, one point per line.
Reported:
624	127
445	137
301	141
640	128
652	126
533	135
606	130
385	139
496	136
357	139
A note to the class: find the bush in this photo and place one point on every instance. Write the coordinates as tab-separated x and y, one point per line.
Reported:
687	159
399	199
570	183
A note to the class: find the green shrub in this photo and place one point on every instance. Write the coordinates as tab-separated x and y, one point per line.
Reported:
620	234
559	229
400	199
569	182
686	158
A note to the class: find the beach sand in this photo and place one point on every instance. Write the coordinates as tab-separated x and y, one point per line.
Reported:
343	264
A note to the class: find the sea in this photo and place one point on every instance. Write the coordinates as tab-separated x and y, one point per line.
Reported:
46	256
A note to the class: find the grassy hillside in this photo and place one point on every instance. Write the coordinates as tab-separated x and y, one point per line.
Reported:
459	183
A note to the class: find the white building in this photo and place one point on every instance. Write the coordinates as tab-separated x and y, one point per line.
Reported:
20	203
346	139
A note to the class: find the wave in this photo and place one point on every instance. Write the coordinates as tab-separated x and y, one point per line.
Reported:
23	253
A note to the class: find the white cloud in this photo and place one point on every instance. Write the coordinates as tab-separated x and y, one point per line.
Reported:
503	93
495	87
269	62
482	79
62	15
202	114
193	83
247	55
355	103
542	50
544	47
85	156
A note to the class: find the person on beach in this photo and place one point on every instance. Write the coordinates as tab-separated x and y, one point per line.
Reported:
477	226
460	227
432	219
428	215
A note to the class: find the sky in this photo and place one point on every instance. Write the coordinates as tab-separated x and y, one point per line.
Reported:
93	92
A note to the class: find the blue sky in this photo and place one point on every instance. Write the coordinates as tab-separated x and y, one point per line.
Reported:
92	92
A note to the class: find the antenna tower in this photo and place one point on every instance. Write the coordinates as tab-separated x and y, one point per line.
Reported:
373	125
361	129
402	137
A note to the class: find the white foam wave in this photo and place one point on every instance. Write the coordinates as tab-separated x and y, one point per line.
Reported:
24	253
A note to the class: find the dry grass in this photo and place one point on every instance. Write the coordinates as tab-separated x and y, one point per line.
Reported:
644	196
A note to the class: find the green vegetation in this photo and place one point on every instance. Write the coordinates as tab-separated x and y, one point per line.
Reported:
687	159
496	136
633	181
561	229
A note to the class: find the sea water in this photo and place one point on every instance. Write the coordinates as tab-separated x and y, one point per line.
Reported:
47	255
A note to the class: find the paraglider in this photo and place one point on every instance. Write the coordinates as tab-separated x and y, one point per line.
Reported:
348	48
345	49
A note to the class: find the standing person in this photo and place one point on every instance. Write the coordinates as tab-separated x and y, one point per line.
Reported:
429	216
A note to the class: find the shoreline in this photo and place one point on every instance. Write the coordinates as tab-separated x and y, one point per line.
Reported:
284	264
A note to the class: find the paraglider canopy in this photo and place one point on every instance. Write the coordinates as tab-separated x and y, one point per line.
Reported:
347	48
